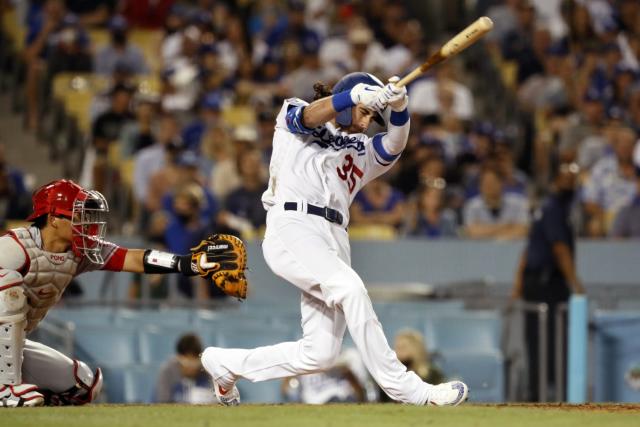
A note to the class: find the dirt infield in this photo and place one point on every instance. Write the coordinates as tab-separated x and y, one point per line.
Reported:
607	407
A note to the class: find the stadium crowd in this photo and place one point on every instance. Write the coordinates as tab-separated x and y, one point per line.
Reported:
196	148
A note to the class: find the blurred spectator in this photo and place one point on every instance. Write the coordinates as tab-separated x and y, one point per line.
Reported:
139	134
504	17
296	84
358	51
50	30
611	184
120	52
515	181
16	177
347	381
587	124
181	378
150	14
108	125
208	117
105	133
627	222
186	227
243	206
378	204
293	31
13	203
441	94
188	172
430	217
92	13
547	272
153	158
413	352
523	43
495	214
217	148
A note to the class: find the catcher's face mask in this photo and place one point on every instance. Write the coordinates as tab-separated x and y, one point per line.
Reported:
89	225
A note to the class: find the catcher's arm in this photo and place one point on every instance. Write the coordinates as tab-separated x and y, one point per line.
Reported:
221	258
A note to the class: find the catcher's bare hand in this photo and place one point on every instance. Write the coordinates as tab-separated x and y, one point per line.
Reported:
223	259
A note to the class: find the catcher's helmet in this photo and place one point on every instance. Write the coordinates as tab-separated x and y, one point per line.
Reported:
346	83
86	209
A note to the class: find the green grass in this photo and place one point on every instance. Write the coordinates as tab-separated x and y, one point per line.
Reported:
325	416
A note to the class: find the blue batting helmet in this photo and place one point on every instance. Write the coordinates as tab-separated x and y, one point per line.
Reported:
345	84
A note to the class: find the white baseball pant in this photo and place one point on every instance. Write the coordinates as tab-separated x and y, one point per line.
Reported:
314	255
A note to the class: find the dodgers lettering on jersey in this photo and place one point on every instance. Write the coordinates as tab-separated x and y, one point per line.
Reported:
325	167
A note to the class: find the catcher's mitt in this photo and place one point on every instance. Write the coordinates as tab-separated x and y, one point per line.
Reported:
223	259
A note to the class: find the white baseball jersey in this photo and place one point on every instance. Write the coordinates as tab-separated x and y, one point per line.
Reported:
45	274
326	167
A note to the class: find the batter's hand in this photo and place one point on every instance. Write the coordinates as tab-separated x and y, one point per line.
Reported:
393	96
366	95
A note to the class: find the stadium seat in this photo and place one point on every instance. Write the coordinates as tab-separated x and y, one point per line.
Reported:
178	318
468	331
158	343
483	372
372	232
113	388
106	344
95	316
262	392
139	383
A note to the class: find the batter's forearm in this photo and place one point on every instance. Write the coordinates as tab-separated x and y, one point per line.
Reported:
395	141
318	113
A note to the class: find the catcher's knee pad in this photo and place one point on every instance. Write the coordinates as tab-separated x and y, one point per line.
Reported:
13	321
87	389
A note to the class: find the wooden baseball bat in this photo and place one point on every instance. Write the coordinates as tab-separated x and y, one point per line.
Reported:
458	43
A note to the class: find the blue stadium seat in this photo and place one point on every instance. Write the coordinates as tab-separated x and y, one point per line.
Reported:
475	331
483	372
83	316
157	344
113	388
139	383
104	344
180	318
262	392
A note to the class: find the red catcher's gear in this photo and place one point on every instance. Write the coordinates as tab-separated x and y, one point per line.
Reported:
85	208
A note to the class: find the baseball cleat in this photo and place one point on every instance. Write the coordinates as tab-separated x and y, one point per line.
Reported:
226	397
12	396
452	393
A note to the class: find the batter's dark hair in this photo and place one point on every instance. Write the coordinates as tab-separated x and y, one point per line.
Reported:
189	344
321	90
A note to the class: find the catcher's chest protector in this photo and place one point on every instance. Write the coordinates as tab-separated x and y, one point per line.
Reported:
46	275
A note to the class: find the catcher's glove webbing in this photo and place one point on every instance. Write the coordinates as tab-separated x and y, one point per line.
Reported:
223	259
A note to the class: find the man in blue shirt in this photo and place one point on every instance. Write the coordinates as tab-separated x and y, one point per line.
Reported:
547	271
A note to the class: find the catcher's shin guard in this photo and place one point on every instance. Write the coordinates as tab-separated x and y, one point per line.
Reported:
87	388
13	321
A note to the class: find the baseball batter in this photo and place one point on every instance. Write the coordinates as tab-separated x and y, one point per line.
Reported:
36	265
321	159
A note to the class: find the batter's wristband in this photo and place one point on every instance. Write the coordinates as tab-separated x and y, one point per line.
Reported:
399	118
342	101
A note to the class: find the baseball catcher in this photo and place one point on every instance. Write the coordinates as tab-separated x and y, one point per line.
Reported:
66	238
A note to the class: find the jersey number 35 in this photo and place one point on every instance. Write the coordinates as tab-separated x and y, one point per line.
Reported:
349	172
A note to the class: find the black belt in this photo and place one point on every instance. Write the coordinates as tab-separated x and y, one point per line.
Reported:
329	214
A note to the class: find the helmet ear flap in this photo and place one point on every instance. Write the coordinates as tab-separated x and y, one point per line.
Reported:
343	118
